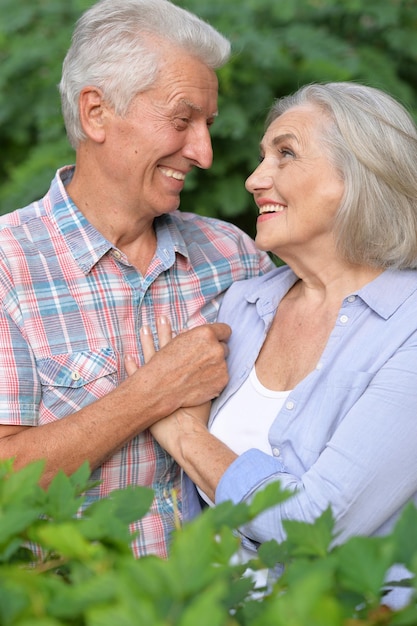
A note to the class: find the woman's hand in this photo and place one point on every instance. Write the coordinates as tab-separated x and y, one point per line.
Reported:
185	420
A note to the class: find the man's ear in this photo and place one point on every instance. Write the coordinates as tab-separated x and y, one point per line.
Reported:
93	112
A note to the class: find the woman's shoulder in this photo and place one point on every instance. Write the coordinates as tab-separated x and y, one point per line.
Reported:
259	285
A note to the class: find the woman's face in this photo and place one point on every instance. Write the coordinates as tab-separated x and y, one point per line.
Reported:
296	187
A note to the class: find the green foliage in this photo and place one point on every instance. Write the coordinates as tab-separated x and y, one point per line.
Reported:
87	575
278	46
33	37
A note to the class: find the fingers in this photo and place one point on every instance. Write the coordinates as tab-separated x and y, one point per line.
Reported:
222	331
198	359
191	365
164	329
130	364
148	346
222	334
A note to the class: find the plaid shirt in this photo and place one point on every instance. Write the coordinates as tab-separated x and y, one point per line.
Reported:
72	306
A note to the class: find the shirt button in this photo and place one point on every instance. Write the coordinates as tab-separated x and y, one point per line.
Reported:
290	405
117	254
351	299
276	452
75	375
344	319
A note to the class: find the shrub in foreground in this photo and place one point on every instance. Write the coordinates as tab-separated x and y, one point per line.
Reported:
88	576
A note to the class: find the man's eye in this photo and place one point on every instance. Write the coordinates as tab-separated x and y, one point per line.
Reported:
181	123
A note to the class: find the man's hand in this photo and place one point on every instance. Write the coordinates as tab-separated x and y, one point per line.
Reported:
183	433
191	367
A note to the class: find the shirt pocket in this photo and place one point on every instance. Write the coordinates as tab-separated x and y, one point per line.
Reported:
74	380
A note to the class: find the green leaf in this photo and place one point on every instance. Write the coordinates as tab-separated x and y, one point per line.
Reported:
405	536
63	499
154	579
363	564
12	602
21	487
192	554
12	525
121	615
65	539
40	621
108	519
271	495
6	469
206	608
76	599
226	514
271	553
126	505
308	599
307	539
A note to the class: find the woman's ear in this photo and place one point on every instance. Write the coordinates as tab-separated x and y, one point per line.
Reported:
93	113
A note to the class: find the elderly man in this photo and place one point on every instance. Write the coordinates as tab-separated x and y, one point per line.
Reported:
106	252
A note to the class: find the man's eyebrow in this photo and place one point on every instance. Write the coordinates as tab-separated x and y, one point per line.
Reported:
191	105
196	107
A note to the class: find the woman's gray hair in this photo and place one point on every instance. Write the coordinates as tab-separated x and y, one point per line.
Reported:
112	49
372	141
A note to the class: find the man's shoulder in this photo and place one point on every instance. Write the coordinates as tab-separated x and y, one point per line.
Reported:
20	229
40	209
22	216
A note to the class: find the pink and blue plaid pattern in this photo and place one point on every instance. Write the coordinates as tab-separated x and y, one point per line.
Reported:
72	306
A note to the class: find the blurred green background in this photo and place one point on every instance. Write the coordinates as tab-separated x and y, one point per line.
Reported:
278	46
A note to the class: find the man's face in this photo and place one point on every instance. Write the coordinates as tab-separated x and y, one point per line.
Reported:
148	152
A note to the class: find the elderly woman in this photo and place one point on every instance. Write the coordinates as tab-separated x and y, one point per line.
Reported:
322	394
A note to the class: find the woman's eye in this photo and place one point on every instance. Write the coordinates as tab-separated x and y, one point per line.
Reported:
286	152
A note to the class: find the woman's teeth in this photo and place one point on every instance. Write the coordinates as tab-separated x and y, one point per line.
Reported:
271	208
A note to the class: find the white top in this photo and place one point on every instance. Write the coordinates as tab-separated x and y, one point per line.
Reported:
246	418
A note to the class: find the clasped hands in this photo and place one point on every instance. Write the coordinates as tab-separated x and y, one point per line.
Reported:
197	360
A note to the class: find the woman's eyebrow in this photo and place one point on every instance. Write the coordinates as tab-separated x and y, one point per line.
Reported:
280	138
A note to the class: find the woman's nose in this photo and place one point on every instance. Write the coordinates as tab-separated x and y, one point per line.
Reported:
259	179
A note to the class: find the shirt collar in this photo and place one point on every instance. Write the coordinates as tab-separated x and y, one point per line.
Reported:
260	288
267	291
169	235
87	244
384	295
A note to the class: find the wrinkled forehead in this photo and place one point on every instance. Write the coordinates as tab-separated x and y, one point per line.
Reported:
299	123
